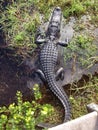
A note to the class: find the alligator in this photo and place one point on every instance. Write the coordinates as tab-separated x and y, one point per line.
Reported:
48	58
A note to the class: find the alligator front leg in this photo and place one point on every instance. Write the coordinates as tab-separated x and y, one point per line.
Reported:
40	36
60	74
63	43
41	75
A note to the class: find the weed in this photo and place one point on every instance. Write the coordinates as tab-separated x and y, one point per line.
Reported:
83	95
76	8
83	47
20	18
19	22
24	115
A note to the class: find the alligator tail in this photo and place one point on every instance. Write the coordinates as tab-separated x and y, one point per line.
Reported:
62	96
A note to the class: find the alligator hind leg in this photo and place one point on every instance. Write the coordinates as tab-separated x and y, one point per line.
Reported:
60	74
41	74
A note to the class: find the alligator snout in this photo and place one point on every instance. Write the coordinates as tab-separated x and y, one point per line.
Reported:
58	9
57	13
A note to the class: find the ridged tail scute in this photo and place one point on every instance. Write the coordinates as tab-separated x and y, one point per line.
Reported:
61	95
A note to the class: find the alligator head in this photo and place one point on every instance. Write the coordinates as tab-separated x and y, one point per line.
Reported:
53	30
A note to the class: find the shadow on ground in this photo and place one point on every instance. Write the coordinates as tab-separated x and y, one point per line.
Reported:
11	80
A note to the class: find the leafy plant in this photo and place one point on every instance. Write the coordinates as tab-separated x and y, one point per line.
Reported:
24	115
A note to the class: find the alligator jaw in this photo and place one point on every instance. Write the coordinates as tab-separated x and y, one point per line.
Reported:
53	31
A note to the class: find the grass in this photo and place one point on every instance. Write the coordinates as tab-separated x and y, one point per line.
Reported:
77	7
82	94
20	20
82	46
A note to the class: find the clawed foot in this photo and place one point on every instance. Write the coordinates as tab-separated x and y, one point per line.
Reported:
40	36
41	75
60	74
63	43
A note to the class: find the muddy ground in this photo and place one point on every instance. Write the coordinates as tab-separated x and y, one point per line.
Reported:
15	76
11	79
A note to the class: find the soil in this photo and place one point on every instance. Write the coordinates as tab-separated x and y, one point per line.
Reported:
15	75
11	79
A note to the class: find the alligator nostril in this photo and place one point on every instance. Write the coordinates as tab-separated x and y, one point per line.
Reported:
58	8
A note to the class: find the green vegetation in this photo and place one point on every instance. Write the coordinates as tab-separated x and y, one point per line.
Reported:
24	115
77	7
20	18
19	21
83	48
82	94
